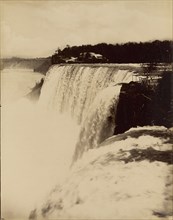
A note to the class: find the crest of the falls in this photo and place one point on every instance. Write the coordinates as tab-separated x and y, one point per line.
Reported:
72	88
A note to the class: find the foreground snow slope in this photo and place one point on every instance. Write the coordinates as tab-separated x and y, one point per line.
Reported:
128	177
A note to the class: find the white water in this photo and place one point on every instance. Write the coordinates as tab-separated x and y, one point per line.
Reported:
36	150
99	123
72	88
38	142
90	95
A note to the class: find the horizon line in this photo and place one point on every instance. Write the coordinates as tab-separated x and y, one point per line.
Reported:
47	56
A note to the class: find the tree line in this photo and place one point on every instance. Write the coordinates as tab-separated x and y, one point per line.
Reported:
131	52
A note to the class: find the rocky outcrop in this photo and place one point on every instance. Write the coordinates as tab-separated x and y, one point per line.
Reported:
141	104
134	107
35	91
163	101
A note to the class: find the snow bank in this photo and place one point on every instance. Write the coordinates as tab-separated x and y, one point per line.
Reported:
111	182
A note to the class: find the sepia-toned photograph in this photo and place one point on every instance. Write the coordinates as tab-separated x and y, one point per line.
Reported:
86	109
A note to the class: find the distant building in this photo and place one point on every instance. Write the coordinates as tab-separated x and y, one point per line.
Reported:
96	55
71	60
91	57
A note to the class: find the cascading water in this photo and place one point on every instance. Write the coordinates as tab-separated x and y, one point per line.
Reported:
99	123
90	95
72	88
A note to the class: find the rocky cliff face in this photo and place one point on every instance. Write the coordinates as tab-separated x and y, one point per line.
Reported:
134	107
163	101
35	91
141	104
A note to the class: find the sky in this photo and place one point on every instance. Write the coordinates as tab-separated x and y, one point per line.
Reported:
38	28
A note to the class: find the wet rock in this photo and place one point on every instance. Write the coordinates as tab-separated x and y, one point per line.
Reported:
35	91
134	107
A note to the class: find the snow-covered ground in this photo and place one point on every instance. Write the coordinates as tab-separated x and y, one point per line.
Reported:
128	177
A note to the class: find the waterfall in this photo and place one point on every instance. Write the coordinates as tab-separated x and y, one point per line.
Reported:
89	94
82	104
72	88
99	123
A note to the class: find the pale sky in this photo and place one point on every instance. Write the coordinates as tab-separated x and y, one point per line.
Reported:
38	28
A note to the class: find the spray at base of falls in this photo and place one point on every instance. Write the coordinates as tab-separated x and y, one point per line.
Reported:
37	150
